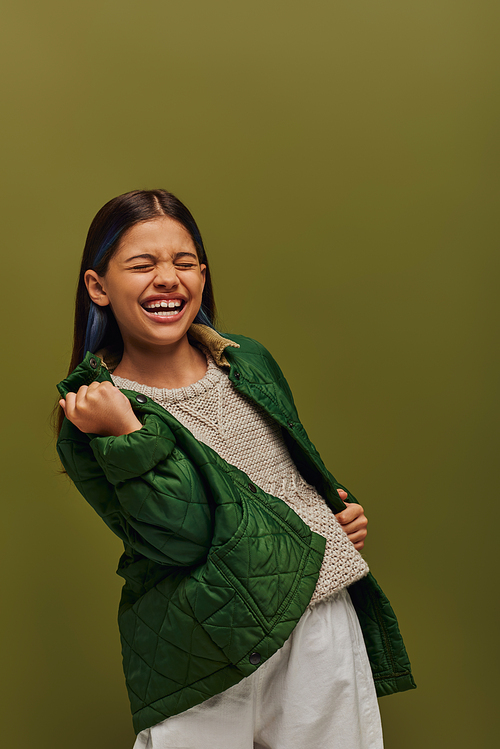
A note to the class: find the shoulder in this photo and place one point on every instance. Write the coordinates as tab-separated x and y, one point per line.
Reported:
248	348
251	356
247	345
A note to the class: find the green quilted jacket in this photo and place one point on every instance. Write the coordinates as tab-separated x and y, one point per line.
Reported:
217	572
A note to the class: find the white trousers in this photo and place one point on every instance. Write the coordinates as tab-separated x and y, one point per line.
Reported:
316	692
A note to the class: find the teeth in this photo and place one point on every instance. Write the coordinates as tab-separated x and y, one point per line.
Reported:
165	313
170	304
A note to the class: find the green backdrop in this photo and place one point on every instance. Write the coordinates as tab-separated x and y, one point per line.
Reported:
342	161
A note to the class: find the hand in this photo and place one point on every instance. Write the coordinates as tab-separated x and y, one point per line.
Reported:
353	521
100	408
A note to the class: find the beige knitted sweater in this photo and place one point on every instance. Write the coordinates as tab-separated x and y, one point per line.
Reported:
244	435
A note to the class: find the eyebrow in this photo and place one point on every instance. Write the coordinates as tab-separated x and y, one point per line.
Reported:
148	256
145	256
185	254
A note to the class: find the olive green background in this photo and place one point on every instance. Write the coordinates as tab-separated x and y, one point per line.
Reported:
341	159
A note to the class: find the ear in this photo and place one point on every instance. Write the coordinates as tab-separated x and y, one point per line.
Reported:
95	288
203	269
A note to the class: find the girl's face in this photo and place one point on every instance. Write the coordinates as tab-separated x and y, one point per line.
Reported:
153	283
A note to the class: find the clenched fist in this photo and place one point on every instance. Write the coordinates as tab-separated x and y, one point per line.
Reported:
100	408
353	521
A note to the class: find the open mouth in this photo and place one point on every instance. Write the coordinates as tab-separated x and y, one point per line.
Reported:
164	307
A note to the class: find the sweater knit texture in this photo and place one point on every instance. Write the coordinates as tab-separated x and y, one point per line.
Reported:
245	436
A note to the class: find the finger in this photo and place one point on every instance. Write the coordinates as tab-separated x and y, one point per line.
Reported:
62	403
351	512
96	392
359	535
342	494
80	396
101	385
359	524
69	405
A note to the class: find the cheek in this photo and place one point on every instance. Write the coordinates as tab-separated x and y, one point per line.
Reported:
121	304
124	294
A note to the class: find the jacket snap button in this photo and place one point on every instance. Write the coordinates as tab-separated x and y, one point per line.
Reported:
237	375
254	659
252	488
141	398
290	424
93	363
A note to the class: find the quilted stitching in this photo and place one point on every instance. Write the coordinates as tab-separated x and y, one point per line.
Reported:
212	571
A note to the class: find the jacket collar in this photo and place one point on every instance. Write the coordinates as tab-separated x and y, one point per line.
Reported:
213	341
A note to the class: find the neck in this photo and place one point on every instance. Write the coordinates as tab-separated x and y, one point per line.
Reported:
175	366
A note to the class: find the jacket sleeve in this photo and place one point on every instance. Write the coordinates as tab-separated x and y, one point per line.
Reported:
144	488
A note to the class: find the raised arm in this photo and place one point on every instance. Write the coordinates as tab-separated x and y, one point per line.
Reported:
100	408
142	486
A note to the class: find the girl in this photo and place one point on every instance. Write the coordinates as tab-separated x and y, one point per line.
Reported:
246	605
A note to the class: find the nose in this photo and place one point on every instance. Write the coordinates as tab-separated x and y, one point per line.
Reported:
166	276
